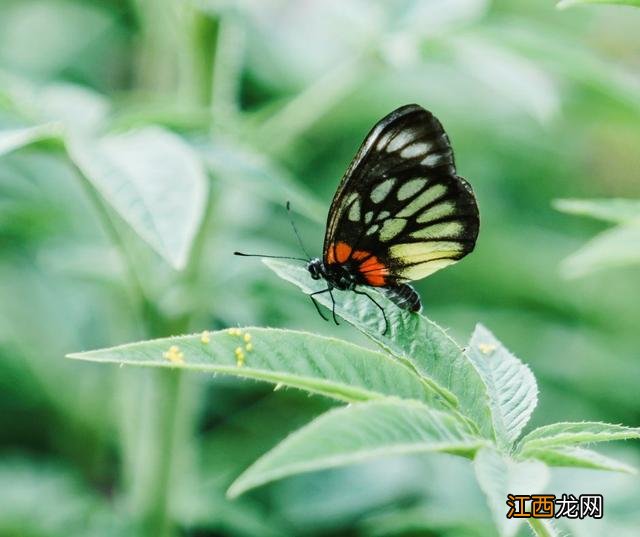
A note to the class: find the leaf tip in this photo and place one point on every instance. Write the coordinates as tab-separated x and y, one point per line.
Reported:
237	488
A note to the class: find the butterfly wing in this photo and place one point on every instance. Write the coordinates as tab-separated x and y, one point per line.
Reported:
401	212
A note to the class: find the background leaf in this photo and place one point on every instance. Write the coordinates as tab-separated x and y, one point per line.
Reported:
578	458
153	180
614	248
12	139
571	434
616	210
512	388
356	433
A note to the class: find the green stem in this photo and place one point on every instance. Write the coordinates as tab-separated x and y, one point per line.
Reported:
542	528
155	68
195	63
166	384
227	70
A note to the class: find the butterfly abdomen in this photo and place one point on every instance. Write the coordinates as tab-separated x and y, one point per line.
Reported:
404	296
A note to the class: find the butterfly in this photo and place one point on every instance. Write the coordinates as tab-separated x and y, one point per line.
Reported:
400	213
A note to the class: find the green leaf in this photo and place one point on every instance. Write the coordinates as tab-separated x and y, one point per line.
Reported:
578	458
153	180
12	139
74	106
356	433
563	4
616	247
411	337
571	434
317	364
512	388
617	210
499	475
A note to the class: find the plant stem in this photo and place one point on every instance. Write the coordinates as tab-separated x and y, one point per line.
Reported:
195	61
227	70
542	528
164	410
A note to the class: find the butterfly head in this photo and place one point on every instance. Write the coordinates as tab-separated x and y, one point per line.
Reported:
316	268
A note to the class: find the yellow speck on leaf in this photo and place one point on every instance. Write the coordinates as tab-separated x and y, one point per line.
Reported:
234	331
174	355
249	347
247	337
239	356
204	337
486	348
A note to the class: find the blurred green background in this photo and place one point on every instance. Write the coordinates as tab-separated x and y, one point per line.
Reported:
274	98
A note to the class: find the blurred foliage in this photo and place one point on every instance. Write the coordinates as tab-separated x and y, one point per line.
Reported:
567	3
616	247
269	101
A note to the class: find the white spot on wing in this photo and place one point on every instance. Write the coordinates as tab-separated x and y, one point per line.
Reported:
368	217
354	211
410	188
437	211
373	229
384	140
381	191
350	198
392	228
446	229
426	197
415	150
431	160
401	139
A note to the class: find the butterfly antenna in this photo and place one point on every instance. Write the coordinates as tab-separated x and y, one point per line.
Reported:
270	256
295	230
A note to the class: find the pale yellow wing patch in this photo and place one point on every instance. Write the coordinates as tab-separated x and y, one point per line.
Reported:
422	270
420	252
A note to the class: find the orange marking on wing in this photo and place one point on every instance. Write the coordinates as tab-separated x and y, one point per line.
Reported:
373	271
360	254
377	278
342	252
331	257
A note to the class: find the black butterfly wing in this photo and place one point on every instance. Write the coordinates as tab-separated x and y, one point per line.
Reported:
401	212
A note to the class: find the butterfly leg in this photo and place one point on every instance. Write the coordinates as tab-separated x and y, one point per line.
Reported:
384	315
333	308
315	303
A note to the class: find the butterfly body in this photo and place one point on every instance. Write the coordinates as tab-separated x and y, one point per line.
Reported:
347	276
338	276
